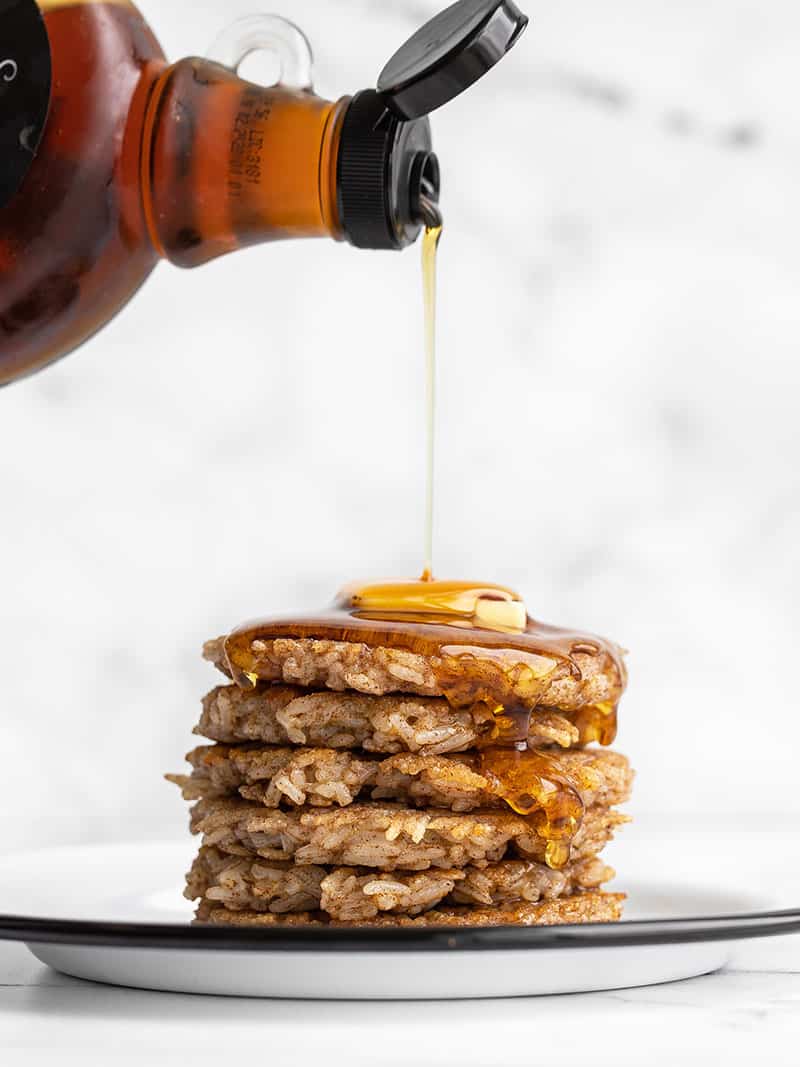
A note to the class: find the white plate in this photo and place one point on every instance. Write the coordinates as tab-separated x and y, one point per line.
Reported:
114	913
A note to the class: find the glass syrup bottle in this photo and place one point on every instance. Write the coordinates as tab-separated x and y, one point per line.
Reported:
113	158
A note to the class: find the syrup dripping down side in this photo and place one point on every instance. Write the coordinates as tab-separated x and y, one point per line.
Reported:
533	785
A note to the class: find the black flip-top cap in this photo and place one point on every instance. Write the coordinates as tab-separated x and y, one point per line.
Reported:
448	54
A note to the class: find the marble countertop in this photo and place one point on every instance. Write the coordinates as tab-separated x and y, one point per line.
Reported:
749	1010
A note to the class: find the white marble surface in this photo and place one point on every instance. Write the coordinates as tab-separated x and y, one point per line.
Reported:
747	1013
618	418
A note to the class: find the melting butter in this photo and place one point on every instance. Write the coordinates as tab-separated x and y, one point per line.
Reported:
484	605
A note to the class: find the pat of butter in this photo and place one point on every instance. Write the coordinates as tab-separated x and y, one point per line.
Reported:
507	614
493	607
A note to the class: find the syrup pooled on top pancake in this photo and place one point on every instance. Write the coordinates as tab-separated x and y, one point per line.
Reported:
473	644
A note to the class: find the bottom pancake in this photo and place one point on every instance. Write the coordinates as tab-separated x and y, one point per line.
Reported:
355	894
591	907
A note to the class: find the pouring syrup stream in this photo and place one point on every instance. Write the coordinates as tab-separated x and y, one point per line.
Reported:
430	241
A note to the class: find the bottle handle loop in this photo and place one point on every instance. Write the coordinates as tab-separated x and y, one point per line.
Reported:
269	33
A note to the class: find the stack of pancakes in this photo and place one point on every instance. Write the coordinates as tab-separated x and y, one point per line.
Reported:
343	787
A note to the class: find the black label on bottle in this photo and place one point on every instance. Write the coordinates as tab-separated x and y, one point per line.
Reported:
25	78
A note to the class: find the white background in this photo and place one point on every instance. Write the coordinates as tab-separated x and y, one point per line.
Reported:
618	431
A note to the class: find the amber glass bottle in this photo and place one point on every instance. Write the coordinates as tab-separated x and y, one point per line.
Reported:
111	158
73	240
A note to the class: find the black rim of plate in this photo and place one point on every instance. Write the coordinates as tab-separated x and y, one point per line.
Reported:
398	939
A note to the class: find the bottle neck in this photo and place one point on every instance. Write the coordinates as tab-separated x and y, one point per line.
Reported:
227	164
387	170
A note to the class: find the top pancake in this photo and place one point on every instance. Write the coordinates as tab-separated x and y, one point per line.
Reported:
588	677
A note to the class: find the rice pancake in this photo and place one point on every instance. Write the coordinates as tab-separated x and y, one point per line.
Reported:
586	672
579	908
386	836
284	714
280	775
350	893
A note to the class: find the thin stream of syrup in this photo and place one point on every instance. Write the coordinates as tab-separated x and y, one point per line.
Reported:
430	243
